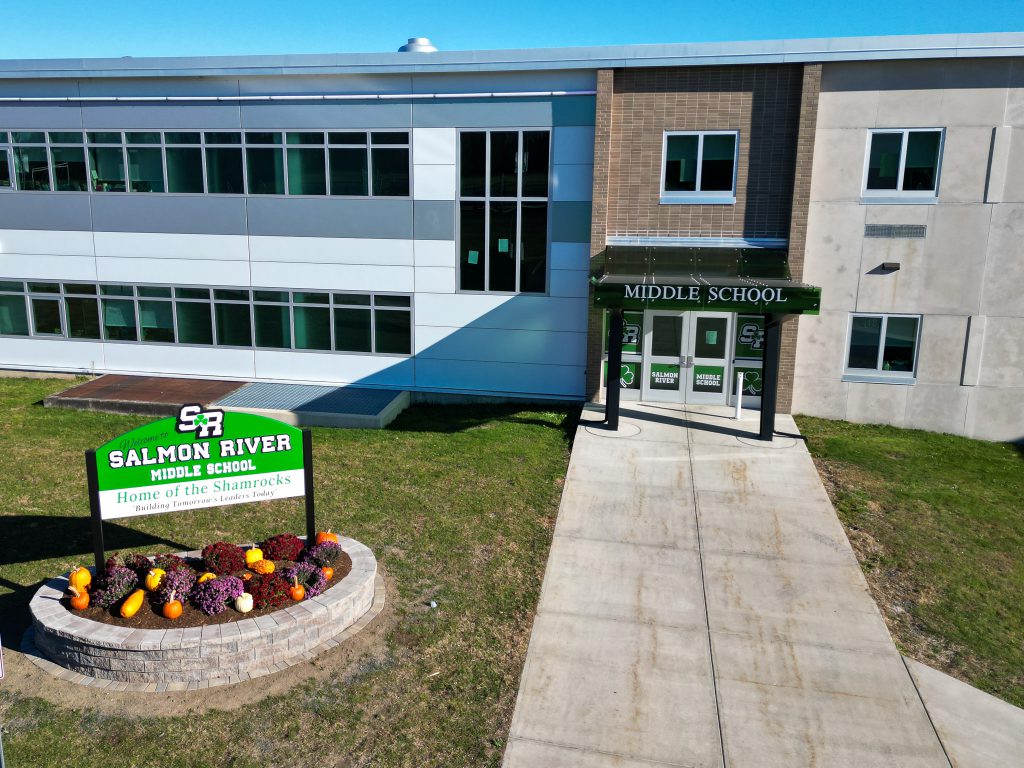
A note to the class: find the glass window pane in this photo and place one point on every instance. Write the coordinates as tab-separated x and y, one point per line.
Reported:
389	137
311	298
104	137
148	137
83	318
681	163
230	294
266	171
13	317
392	301
504	163
352	330
535	163
472	164
5	137
471	246
181	137
718	160
146	169
44	288
5	170
666	335
194	323
273	328
223	137
82	289
349	172
234	328
710	338
262	138
69	169
393	332
865	336
12	285
534	265
224	171
501	254
306	173
921	170
900	342
119	320
116	290
65	137
884	160
359	299
276	296
192	293
32	168
346	138
46	317
154	291
305	138
390	172
106	169
27	137
312	328
156	321
184	170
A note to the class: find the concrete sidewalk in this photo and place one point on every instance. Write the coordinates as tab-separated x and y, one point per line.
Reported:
702	607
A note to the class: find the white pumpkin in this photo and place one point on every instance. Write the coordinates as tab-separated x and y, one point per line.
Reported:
243	603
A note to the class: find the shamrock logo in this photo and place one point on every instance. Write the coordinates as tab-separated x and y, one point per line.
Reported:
206	424
627	376
752	382
200	420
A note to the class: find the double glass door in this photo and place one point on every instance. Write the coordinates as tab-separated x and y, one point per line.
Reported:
685	357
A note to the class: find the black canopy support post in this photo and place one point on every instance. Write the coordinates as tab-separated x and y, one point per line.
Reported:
92	480
770	387
612	384
307	468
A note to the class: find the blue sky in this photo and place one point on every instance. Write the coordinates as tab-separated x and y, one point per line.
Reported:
61	28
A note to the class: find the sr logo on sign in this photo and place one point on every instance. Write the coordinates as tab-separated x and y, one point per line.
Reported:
751	335
630	333
193	418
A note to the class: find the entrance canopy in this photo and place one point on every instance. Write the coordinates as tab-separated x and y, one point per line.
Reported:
752	280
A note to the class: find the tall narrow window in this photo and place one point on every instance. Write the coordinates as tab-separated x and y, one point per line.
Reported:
503	211
5	166
106	162
389	161
223	163
307	169
31	165
184	162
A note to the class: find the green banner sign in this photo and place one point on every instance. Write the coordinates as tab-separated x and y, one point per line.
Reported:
750	336
665	376
201	458
629	377
758	299
708	378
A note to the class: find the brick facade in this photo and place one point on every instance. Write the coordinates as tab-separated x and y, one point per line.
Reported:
774	108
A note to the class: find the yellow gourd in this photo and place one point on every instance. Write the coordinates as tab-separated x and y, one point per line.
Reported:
263	566
154	578
133	603
253	555
80	578
206	577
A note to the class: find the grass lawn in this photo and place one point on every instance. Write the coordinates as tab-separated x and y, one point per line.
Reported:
458	505
938	524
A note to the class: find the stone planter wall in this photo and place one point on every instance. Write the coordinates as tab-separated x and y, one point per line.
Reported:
180	659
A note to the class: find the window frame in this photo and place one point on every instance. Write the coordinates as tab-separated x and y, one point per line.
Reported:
899	196
877	375
203	145
698	196
488	198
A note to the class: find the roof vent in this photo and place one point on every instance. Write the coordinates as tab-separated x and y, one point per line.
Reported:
418	45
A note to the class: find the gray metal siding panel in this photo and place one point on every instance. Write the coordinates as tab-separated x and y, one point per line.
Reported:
434	220
574	110
45	210
377	218
570	222
488	113
318	114
54	117
161	116
202	214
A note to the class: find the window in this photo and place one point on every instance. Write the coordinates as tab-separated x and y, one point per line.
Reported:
263	318
903	165
503	210
883	347
699	167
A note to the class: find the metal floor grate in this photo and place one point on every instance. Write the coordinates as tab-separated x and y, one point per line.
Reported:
310	397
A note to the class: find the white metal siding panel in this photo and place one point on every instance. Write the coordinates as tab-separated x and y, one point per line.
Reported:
570	282
435	279
332	250
33	266
433	146
539	313
435	253
335	367
514	378
197	361
181	271
51	354
434	182
338	277
48	242
498	345
158	245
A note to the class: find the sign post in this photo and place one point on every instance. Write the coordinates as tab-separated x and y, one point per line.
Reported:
201	458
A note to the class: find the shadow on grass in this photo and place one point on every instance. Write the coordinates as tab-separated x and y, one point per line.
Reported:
29	538
459	418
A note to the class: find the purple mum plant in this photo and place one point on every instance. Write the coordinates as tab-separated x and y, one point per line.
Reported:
309	575
116	582
177	582
211	597
323	554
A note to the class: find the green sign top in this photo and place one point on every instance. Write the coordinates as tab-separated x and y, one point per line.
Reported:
753	298
200	458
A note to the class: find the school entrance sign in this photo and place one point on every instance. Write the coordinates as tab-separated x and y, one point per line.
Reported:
200	458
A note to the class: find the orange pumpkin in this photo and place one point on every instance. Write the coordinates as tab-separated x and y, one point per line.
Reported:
326	536
79	598
80	578
246	576
296	591
328	572
172	608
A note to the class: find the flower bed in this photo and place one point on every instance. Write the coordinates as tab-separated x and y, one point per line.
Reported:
196	647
